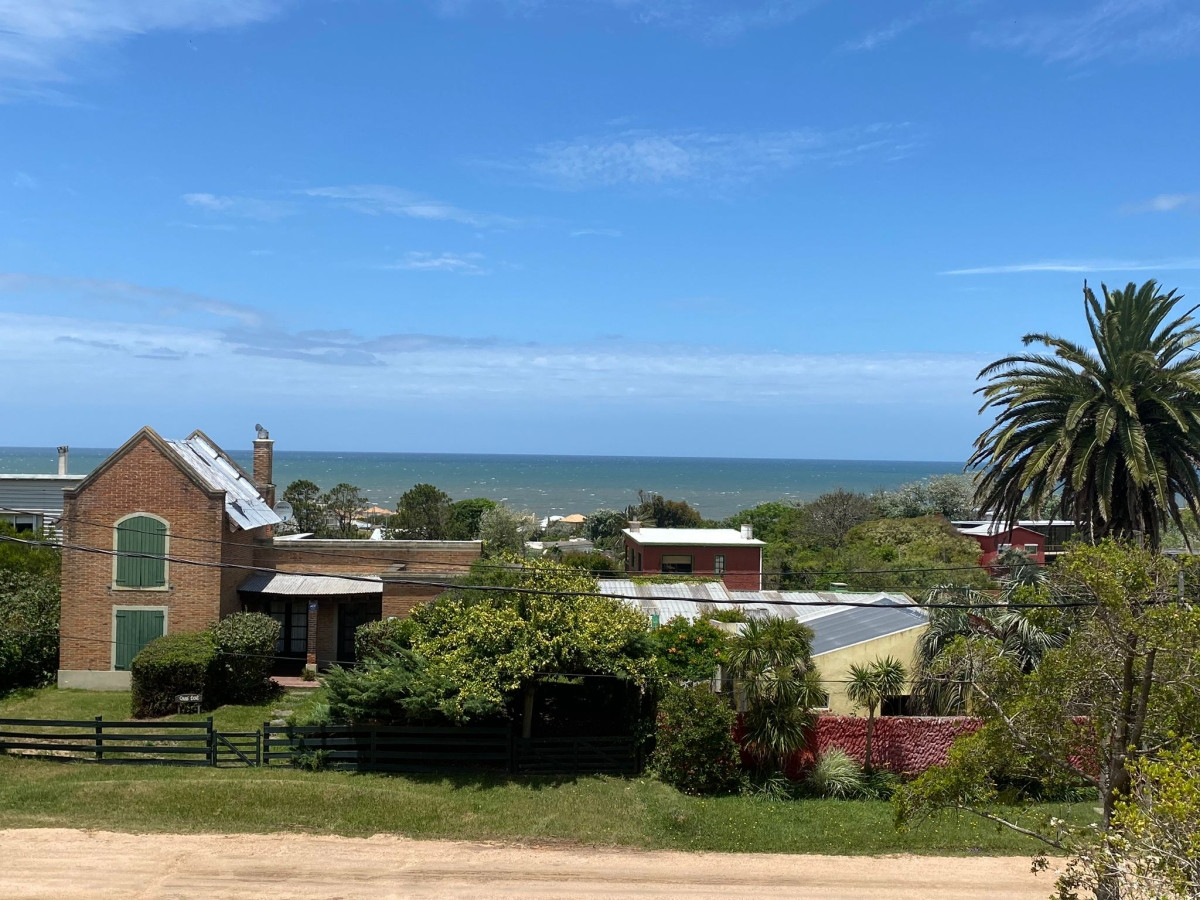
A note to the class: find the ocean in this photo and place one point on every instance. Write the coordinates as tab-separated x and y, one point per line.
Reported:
554	485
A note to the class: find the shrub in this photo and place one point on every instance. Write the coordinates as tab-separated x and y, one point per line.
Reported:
695	751
173	664
689	651
28	629
835	775
382	639
245	644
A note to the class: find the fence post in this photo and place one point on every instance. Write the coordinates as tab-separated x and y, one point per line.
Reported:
212	743
99	738
266	736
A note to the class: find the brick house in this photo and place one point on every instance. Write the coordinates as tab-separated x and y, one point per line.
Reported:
995	539
172	535
735	555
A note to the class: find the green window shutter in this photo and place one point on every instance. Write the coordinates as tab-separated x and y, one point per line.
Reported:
135	628
141	535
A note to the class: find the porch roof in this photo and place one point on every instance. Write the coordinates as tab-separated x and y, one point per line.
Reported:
311	585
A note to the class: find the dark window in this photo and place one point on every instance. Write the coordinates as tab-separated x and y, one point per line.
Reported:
676	564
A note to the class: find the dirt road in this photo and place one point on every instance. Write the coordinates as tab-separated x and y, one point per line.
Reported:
64	863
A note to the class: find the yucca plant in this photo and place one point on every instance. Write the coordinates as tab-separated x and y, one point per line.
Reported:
1109	434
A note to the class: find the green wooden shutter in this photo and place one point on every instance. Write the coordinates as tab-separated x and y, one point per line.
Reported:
135	628
141	534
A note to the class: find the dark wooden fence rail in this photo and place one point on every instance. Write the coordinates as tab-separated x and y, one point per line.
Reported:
125	743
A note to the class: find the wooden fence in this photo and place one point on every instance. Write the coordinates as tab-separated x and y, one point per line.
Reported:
360	748
194	743
415	749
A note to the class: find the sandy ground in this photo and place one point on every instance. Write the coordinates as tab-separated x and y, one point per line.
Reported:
65	863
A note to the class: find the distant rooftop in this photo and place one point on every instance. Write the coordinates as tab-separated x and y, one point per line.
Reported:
692	537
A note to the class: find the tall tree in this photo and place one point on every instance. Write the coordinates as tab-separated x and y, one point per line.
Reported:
308	511
464	518
870	685
344	502
1111	431
423	513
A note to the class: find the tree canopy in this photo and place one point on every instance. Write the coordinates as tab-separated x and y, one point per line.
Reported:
1110	433
308	508
422	514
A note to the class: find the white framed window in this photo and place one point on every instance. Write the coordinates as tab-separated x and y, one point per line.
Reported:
719	564
1031	549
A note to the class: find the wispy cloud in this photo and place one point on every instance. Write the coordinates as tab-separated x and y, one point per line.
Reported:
1166	203
24	181
664	158
1083	266
242	207
596	232
715	20
382	199
39	38
423	261
1101	29
163	300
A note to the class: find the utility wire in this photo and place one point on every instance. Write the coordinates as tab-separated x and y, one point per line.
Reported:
449	585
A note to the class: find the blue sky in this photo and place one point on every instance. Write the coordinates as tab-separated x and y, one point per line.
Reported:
685	227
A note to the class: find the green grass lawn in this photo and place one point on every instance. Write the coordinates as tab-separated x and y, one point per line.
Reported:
597	811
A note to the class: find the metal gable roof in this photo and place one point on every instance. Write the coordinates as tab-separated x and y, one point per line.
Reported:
243	503
310	585
854	625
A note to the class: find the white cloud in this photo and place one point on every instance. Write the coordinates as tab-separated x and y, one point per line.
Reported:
423	261
1083	266
242	207
165	300
645	157
24	181
596	232
1117	30
382	199
1166	203
38	38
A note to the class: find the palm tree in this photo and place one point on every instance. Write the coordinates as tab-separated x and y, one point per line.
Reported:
1112	432
772	662
870	685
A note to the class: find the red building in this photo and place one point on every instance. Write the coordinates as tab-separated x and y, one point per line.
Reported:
995	539
735	556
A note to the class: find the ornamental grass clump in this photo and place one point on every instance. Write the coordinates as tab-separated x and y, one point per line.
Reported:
835	776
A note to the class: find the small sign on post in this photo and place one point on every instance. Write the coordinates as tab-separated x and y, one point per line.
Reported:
184	701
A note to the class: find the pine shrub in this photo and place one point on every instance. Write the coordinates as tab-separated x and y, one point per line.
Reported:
382	639
695	751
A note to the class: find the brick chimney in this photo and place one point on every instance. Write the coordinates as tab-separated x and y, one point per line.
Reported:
264	464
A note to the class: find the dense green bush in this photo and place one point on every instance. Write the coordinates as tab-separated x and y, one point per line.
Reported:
382	639
695	751
28	629
836	775
401	690
173	664
245	644
689	651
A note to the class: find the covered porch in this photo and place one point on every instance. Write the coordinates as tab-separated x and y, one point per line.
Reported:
317	615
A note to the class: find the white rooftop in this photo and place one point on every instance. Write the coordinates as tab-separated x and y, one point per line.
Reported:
692	537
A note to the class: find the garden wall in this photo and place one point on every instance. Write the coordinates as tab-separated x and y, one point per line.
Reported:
906	745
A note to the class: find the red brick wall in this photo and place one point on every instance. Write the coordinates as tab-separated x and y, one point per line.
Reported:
743	565
142	480
399	558
906	745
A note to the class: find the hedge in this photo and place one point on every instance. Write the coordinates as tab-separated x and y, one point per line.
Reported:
694	747
245	652
28	629
180	663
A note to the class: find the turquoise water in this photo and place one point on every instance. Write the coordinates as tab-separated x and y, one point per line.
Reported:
556	485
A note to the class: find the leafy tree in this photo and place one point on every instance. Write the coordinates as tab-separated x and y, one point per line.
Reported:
694	749
344	502
423	514
775	522
308	507
504	531
599	564
653	510
604	528
870	685
689	651
464	520
951	496
496	646
1112	431
908	554
29	605
831	516
772	662
1119	690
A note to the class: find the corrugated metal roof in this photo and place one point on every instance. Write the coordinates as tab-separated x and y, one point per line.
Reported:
310	585
243	503
853	625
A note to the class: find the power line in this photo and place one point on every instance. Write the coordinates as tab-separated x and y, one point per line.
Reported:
449	585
